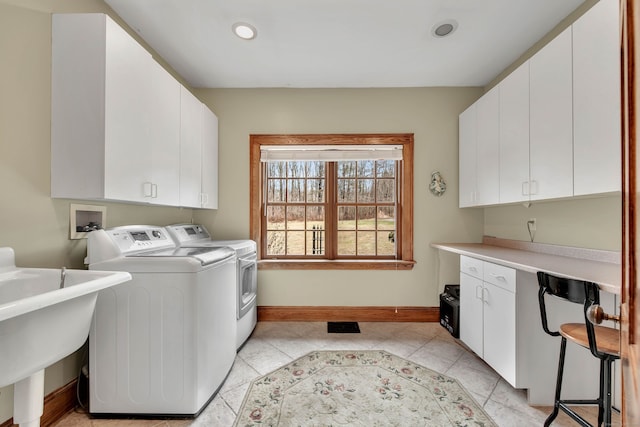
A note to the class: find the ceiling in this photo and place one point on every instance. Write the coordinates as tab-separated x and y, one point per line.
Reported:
341	43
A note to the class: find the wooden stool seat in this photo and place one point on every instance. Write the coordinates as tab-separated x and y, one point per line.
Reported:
608	339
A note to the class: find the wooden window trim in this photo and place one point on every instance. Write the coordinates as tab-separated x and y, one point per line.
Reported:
405	257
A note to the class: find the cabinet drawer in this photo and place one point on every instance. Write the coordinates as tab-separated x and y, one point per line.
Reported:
471	266
501	276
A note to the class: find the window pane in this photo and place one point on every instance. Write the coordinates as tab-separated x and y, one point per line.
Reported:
385	168
386	243
386	190
346	190
346	169
366	218
275	218
277	169
365	190
366	243
295	242
315	169
295	190
295	217
315	216
296	169
346	217
346	243
315	241
275	243
366	168
315	190
276	190
386	218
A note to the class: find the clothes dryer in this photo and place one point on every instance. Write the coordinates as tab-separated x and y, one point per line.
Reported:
164	343
193	235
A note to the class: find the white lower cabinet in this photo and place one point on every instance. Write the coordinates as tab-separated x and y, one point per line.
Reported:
488	315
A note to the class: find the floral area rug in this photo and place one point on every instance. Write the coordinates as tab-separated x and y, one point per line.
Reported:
358	388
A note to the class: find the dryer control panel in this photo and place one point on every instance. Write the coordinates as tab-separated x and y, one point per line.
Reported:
188	233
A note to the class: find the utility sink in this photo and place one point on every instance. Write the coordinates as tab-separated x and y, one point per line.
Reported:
45	315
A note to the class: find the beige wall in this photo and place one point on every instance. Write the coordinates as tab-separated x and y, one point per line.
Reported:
431	114
37	226
33	224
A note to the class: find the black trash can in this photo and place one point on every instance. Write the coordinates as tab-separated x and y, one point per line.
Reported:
450	309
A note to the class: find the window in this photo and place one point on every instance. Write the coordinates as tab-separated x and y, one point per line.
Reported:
332	201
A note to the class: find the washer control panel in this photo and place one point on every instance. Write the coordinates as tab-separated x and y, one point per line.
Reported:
129	239
185	233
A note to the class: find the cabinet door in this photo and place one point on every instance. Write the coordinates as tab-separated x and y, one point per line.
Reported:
488	148
467	156
471	330
596	100
551	143
514	136
165	136
209	159
190	149
126	116
500	331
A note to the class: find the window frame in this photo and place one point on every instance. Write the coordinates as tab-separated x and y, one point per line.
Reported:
404	261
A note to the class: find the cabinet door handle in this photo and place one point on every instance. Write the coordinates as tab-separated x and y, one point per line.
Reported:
485	300
204	199
499	277
525	188
534	187
154	191
480	297
473	269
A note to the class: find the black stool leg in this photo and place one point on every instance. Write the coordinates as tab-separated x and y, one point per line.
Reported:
607	392
601	399
556	403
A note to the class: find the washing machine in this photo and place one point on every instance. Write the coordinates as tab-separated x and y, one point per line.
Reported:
164	344
192	235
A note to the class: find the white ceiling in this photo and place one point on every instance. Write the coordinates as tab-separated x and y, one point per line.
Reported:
341	43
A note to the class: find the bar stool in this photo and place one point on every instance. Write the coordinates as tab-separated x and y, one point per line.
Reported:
603	342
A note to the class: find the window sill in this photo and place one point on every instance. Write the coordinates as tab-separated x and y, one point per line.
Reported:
323	264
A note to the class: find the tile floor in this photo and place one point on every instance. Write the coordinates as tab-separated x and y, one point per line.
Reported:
273	344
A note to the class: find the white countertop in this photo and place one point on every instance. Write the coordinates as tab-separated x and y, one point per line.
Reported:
607	275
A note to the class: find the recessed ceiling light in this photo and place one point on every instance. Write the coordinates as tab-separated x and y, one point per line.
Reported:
244	31
444	28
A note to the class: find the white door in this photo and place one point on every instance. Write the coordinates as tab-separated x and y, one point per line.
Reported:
551	143
467	157
514	136
471	329
488	147
190	149
500	331
209	159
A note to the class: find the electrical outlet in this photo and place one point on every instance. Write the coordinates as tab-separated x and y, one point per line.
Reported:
531	224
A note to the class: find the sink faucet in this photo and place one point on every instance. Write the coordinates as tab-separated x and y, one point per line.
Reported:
63	275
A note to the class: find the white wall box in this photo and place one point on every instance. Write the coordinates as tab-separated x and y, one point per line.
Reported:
117	124
596	100
514	136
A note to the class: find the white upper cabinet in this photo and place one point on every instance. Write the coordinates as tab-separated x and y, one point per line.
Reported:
198	153
596	100
551	120
488	150
467	148
165	138
514	136
190	149
479	155
209	159
123	128
100	110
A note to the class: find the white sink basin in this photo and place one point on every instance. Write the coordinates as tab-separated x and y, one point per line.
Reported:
41	323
